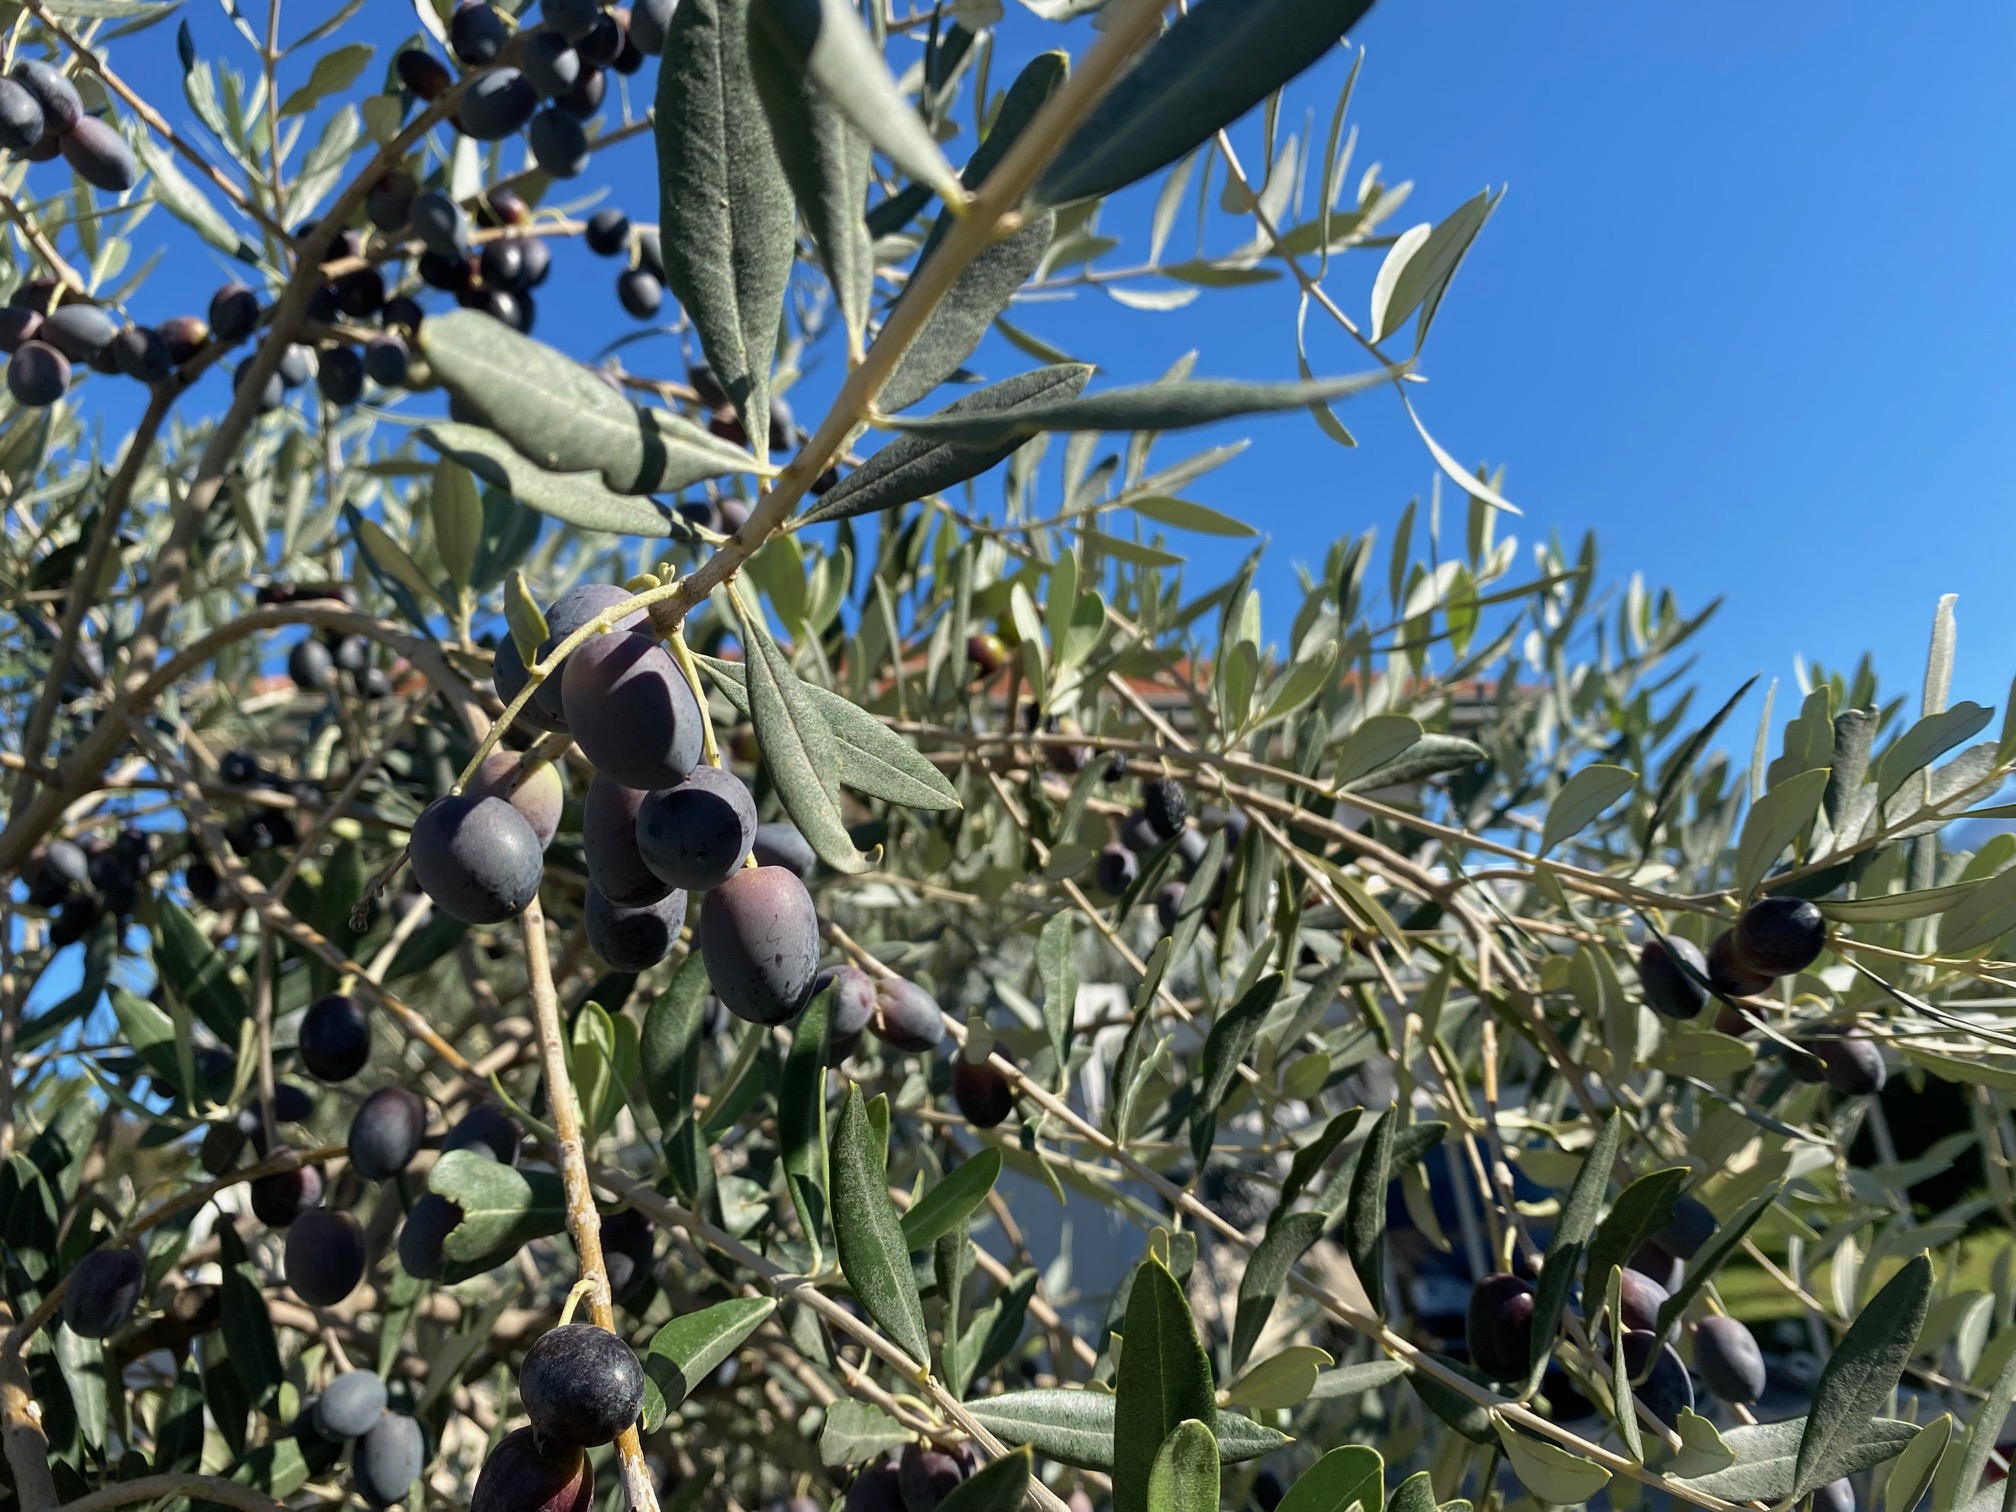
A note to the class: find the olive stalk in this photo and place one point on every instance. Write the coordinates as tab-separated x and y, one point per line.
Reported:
584	1223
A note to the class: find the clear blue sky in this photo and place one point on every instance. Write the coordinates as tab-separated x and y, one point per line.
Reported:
1745	309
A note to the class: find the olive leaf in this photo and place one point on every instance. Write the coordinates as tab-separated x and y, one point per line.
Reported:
502	1207
579	498
986	285
1365	1215
1640	1211
1354	1475
998	1486
858	1431
1550	1472
826	39
801	1116
872	758
561	416
726	223
1860	1375
1571	1236
1075	1427
909	468
1164	1377
196	973
1185	1474
1266	1272
1217	62
799	751
825	156
184	200
1225	1048
685	1351
873	1254
1766	1454
948	1202
1174	405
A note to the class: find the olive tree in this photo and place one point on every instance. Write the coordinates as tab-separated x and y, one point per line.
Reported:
573	941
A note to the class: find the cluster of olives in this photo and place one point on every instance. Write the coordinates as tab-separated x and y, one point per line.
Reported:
82	881
387	1449
46	329
42	115
657	825
262	827
1163	815
640	287
917	1480
561	62
1773	937
1498	1332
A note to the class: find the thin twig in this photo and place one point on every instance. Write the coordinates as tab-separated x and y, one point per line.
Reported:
584	1223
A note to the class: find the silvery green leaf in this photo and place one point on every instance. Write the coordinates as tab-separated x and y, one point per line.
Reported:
827	160
1206	71
1766	1452
1424	273
1582	797
1185	515
502	1207
1075	1427
334	72
1266	1272
1774	822
561	416
458	519
872	1250
986	285
981	292
1351	1476
1378	742
1925	742
801	1117
1860	1375
1570	1237
686	1350
912	467
799	751
1430	756
1151	407
828	42
1186	1474
1225	1046
1164	1377
950	1201
725	219
579	498
858	1431
182	199
322	169
873	758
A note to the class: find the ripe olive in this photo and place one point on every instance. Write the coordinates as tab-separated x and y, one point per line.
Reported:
581	1385
1498	1326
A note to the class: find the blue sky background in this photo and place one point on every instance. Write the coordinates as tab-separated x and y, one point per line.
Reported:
1744	309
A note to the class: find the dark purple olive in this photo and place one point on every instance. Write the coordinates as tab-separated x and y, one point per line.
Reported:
38	375
61	107
581	1385
476	34
1499	1326
1776	937
639	293
21	121
423	76
100	155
